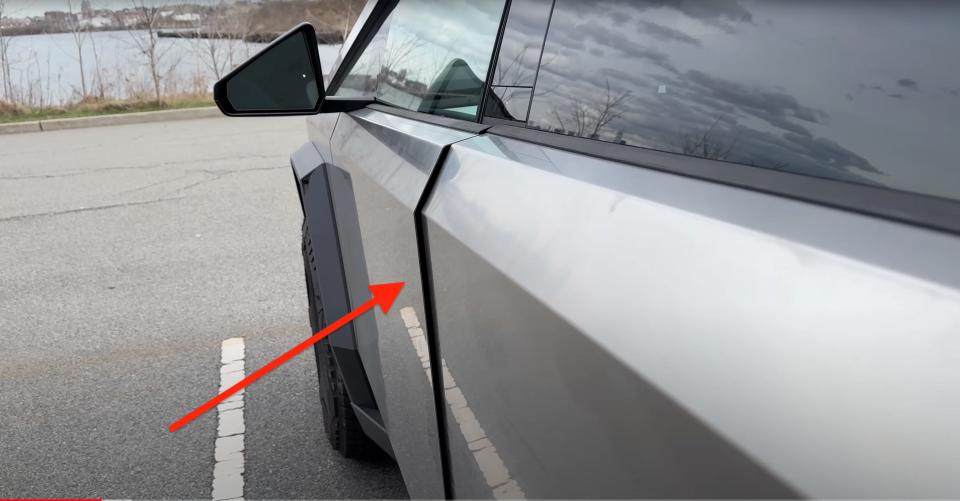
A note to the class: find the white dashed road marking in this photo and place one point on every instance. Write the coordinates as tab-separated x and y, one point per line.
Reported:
228	449
494	470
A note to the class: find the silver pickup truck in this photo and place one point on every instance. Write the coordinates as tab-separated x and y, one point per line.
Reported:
651	248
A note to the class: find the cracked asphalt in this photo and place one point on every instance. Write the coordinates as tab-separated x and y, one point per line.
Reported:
127	254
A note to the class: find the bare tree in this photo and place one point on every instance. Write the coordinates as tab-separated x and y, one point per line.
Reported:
705	146
244	26
5	58
514	73
588	119
395	55
349	10
387	63
145	36
99	87
218	38
79	33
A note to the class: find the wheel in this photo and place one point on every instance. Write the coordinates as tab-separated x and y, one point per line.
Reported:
339	421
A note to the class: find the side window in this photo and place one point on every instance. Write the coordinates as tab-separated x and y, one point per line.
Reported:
516	70
430	56
864	92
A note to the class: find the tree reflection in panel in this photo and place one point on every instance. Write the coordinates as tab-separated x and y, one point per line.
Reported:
429	56
867	92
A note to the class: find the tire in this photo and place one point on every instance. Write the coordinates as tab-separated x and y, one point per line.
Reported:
339	421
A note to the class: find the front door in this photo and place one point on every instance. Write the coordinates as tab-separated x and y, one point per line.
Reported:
384	159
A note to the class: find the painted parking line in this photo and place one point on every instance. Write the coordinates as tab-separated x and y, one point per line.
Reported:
228	448
494	470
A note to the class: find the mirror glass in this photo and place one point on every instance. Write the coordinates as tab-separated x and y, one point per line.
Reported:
280	79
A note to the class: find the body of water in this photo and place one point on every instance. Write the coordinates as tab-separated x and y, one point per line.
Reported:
45	69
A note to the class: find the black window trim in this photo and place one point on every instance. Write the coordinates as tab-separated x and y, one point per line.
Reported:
491	121
494	56
930	212
482	118
543	47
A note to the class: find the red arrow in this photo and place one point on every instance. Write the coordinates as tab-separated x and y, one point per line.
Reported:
383	295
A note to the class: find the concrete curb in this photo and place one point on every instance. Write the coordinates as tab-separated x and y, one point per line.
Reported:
103	120
18	127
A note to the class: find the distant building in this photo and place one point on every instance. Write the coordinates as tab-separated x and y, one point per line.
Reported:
96	22
58	20
86	9
126	18
189	17
14	22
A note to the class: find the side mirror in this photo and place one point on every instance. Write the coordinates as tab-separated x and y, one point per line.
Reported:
282	79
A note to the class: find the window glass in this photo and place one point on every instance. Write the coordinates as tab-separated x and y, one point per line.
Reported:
522	42
430	56
516	70
867	92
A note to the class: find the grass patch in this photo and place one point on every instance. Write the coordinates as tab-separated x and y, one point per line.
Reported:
92	107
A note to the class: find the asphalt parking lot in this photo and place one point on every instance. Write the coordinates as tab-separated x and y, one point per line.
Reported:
128	254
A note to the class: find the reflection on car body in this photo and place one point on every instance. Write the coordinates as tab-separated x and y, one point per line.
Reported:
652	249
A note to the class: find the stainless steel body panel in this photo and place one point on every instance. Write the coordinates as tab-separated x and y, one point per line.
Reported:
618	331
319	129
379	172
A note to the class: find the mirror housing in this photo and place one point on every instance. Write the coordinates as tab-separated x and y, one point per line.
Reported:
284	78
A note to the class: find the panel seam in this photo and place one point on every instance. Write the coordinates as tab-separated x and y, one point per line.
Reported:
429	304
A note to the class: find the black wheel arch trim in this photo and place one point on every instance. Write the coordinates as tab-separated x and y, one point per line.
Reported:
329	283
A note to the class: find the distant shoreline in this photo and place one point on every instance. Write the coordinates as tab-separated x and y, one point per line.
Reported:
262	37
324	38
23	31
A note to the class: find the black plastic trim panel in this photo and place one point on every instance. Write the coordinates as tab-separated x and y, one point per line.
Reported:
372	424
328	276
337	104
921	210
491	121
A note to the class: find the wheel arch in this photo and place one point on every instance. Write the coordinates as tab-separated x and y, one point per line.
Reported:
325	277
